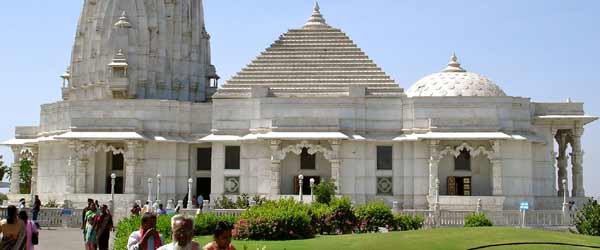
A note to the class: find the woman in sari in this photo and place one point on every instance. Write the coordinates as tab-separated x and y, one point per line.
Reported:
90	230
13	231
104	224
30	229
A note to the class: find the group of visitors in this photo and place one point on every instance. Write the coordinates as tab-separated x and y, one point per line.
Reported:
182	228
96	226
18	231
136	210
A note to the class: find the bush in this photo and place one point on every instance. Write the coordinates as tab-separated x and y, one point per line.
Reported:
324	191
275	220
373	216
205	223
3	197
224	203
337	218
129	225
477	220
407	222
587	218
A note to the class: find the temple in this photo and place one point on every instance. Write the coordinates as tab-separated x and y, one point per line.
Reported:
141	100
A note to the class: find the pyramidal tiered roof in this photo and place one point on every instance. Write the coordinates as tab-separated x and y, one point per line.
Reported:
315	60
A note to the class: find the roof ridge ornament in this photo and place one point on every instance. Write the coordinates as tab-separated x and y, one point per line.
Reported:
316	20
123	21
454	65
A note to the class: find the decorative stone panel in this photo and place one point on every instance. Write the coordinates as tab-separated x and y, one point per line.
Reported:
385	186
232	185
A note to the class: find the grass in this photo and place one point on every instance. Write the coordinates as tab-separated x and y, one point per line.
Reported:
442	239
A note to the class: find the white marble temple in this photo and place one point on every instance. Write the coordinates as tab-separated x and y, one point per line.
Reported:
139	100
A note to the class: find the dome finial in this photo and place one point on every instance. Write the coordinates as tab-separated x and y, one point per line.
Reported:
454	65
316	20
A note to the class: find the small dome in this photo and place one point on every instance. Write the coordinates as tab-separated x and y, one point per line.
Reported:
455	81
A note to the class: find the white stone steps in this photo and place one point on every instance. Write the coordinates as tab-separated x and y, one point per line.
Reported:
313	44
311	76
308	81
310	73
317	56
304	49
379	86
312	52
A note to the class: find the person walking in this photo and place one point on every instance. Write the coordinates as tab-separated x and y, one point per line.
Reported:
31	238
90	230
147	238
37	206
13	231
182	229
103	224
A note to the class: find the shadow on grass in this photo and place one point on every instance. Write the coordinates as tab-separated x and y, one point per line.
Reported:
534	243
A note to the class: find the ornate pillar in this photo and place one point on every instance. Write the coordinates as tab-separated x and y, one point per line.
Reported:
133	167
335	164
15	176
276	157
434	161
70	171
576	161
562	160
82	166
496	160
34	171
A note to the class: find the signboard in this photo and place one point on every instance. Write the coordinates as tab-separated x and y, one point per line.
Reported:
524	205
67	212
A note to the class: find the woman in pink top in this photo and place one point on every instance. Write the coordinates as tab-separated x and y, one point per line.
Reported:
31	229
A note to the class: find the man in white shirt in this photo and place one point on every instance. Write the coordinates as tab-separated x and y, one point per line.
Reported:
147	238
183	233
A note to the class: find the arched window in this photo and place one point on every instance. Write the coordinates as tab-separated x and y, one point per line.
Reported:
463	161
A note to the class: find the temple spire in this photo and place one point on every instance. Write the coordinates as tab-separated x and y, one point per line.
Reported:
454	65
316	20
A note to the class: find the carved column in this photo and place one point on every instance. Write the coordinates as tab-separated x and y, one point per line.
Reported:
562	161
434	161
15	177
70	171
133	169
335	164
82	166
576	161
496	160
276	157
34	170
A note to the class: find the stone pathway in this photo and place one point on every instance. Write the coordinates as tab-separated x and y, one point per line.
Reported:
61	238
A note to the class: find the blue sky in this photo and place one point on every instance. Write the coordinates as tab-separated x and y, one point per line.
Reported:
547	50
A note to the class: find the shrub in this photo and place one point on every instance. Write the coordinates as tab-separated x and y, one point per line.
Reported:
275	220
224	203
205	223
318	212
324	191
373	216
51	204
407	222
129	225
587	218
341	218
477	220
242	202
3	197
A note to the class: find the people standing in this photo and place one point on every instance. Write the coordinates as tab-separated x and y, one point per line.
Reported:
135	210
31	238
222	237
22	204
37	205
182	229
90	230
147	238
103	224
85	209
161	210
13	231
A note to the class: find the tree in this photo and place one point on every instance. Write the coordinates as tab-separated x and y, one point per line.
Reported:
587	219
24	176
3	169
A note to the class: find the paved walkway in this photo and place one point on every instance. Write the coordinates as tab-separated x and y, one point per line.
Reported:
61	238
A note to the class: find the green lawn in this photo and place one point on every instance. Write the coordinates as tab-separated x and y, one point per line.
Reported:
443	239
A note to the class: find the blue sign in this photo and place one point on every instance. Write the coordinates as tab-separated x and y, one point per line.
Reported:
524	205
67	212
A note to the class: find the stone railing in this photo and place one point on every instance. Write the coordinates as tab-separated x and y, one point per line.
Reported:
53	217
456	218
193	212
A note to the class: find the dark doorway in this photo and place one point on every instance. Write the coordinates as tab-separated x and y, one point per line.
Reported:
118	185
203	188
460	186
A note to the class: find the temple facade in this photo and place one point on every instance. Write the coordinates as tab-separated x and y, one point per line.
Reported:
142	109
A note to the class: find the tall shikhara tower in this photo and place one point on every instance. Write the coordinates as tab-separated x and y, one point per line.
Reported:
141	49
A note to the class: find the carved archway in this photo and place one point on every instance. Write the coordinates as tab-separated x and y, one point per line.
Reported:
280	155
